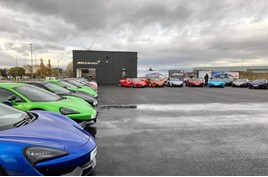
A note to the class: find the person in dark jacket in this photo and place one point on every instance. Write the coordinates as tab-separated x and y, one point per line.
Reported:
206	79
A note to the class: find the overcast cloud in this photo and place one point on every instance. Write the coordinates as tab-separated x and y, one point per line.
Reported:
166	34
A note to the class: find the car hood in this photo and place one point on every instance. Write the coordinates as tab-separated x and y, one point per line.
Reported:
81	95
140	82
74	103
196	82
48	130
239	83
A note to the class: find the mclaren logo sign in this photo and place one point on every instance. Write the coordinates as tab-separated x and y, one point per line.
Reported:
88	62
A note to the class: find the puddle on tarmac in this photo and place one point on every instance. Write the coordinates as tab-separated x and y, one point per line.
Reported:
117	120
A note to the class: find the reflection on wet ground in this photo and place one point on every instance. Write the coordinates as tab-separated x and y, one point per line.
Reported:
118	107
183	139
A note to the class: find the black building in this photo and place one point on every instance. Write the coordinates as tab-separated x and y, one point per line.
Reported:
106	66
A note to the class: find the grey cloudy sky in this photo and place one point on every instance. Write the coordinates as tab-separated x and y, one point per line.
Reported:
166	34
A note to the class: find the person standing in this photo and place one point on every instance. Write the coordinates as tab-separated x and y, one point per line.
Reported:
206	79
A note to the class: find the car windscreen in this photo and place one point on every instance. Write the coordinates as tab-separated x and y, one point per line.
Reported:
68	85
75	83
241	80
10	116
56	88
216	79
174	79
259	81
194	79
36	94
136	80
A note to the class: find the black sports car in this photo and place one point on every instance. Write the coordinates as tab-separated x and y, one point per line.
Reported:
240	83
63	91
258	83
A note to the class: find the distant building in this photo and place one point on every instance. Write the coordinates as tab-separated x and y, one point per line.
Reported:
28	69
107	67
254	69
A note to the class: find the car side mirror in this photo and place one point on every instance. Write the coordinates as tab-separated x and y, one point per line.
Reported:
14	98
11	98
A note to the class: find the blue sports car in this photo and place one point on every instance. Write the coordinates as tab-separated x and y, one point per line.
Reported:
216	82
43	143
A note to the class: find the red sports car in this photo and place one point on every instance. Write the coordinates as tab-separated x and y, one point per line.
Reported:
131	82
194	82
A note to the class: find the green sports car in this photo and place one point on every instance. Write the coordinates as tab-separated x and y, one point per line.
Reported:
27	97
70	86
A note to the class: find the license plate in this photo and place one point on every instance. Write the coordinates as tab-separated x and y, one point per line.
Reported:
93	153
255	85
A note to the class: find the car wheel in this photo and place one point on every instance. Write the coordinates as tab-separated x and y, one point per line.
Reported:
3	172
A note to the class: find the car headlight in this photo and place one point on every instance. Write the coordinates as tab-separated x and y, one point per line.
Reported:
37	154
93	116
66	111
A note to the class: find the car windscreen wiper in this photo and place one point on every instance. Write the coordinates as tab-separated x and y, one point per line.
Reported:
30	118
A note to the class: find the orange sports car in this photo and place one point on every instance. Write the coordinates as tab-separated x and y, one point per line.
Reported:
154	82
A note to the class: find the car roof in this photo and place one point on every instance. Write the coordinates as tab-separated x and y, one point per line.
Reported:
53	80
11	85
35	82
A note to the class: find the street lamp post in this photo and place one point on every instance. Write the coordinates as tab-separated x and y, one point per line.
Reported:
31	59
58	69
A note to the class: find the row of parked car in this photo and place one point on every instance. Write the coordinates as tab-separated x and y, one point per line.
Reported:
192	82
42	127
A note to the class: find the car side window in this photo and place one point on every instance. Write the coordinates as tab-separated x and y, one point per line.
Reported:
4	94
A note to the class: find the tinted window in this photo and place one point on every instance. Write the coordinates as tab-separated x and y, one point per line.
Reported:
36	94
10	116
136	80
194	79
56	88
68	85
4	94
217	79
174	79
260	80
241	80
75	83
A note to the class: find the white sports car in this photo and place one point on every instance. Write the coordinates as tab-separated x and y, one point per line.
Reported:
174	82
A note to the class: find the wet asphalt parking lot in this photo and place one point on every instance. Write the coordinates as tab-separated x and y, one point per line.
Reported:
182	131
